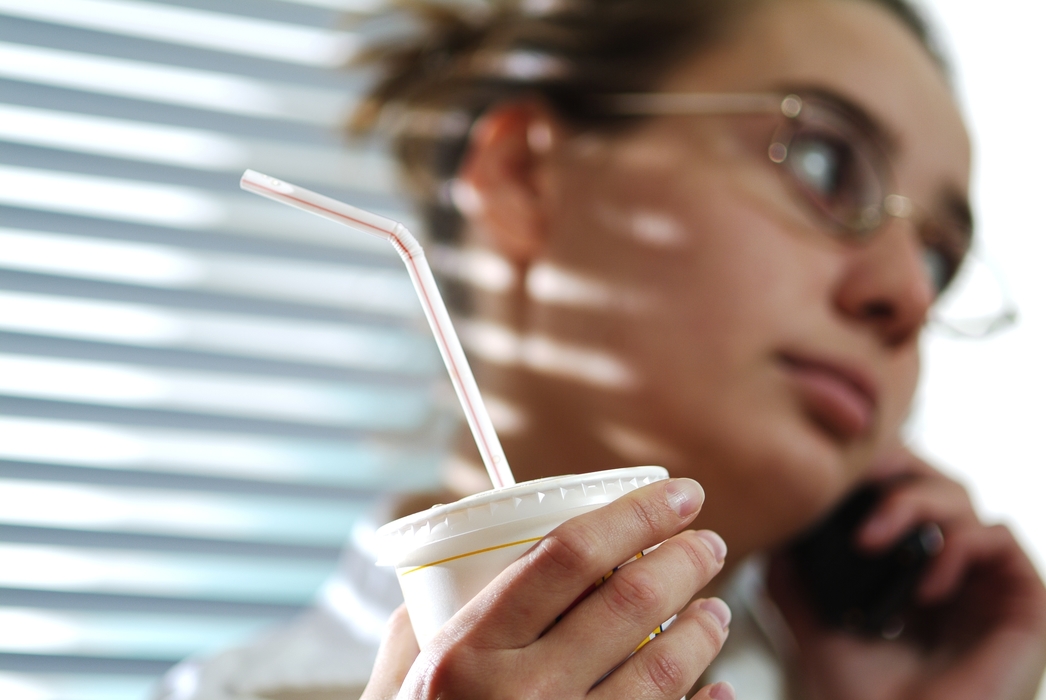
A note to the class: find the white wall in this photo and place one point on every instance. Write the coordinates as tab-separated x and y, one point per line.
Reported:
981	411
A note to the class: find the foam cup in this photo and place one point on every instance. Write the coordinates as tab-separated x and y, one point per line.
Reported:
444	556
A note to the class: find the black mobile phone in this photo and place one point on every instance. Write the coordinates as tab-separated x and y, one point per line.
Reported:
851	590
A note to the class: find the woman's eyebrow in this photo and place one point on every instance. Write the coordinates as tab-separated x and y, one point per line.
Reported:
861	117
953	200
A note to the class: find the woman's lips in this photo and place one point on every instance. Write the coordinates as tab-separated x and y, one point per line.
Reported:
840	398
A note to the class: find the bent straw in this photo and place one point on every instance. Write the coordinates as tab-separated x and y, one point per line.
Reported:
418	268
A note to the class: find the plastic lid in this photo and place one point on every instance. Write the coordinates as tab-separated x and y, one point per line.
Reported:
529	499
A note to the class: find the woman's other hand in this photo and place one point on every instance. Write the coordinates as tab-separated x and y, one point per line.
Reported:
980	628
514	639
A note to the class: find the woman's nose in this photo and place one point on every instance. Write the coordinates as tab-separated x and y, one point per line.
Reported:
886	286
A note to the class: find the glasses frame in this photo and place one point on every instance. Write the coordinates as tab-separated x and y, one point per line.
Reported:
790	106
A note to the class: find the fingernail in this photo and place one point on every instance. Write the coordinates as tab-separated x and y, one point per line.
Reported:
932	539
714	543
722	691
685	496
717	609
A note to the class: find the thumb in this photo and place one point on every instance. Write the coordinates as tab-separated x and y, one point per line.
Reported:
396	655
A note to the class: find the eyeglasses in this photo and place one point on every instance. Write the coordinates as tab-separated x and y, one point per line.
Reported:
832	157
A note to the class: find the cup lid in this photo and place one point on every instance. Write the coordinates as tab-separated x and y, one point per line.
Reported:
529	499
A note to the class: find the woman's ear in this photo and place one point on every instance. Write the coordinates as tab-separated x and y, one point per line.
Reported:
499	184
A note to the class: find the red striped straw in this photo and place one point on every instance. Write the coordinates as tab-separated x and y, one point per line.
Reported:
431	301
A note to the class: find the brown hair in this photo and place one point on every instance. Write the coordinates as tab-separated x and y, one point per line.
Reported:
471	55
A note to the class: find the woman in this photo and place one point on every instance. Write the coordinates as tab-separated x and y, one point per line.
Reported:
677	288
704	234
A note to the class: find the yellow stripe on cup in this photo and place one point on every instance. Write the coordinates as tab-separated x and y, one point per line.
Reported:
469	554
650	638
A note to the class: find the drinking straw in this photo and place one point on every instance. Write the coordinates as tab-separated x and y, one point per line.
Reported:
431	301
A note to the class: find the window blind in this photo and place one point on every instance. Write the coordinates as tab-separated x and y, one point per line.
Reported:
200	391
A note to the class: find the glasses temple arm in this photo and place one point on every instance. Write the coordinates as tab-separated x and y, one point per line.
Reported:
667	103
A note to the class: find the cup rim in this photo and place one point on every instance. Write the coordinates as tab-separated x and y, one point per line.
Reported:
529	499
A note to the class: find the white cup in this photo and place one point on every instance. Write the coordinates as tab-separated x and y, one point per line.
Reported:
444	556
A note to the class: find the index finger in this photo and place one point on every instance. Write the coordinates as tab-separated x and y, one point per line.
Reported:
526	598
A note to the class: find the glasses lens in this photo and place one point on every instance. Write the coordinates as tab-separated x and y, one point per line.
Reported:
946	242
840	169
976	304
836	168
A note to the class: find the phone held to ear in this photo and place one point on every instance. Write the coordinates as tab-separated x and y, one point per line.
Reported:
867	594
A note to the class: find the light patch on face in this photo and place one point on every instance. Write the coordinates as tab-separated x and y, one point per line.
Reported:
594	367
651	227
519	65
475	267
507	417
500	345
466	198
657	229
495	344
551	284
637	447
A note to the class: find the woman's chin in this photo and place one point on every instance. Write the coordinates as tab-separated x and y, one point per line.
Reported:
796	471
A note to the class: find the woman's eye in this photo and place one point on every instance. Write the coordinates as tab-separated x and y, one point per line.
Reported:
944	248
820	165
939	267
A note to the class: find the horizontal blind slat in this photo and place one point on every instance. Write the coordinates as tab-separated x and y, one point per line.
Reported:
177	207
121	635
342	459
196	575
200	392
196	149
260	519
259	38
166	84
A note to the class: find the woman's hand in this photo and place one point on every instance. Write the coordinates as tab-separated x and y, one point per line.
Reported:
510	641
980	628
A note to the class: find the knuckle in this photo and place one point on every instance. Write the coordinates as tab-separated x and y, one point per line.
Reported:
447	664
960	497
955	488
569	549
707	632
431	677
633	593
1002	535
663	672
698	554
444	671
711	630
649	516
1000	530
945	479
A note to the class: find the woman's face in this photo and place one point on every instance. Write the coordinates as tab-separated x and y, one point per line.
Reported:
758	353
